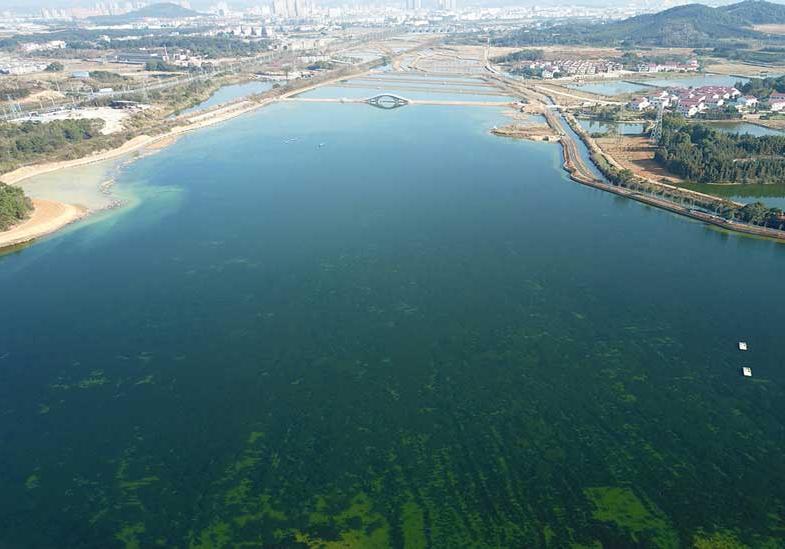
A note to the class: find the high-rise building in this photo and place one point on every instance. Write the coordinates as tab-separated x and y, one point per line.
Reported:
413	4
279	9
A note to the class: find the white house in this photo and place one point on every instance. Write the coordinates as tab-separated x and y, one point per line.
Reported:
746	102
777	101
639	104
690	107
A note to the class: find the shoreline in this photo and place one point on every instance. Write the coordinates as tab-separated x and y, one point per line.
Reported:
579	172
48	216
572	162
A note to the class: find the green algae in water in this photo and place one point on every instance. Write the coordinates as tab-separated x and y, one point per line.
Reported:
33	481
414	352
413	526
622	508
358	526
128	535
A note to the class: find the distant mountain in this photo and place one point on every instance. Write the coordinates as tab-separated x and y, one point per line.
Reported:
757	12
164	10
691	25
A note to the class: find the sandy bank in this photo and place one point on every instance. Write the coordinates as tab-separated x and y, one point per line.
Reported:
30	171
48	216
532	132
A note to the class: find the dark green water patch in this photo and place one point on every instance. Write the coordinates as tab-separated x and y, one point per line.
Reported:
387	329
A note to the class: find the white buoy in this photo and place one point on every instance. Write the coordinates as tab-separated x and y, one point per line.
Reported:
747	371
742	345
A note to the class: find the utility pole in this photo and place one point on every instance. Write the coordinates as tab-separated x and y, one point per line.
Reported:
656	133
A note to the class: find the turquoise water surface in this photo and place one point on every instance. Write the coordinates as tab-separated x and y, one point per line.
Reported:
331	325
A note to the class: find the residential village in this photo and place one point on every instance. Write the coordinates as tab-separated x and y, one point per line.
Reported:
575	67
690	102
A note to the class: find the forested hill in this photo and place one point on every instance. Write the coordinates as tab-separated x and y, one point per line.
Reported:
691	25
163	10
757	12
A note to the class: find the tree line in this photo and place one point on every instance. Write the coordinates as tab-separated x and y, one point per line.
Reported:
762	87
520	55
28	141
700	153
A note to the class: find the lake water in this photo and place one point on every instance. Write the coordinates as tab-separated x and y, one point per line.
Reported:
594	126
231	92
415	335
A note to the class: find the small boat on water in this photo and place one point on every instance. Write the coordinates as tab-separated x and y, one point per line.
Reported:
742	345
746	371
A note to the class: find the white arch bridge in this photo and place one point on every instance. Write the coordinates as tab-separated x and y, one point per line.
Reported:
392	101
387	101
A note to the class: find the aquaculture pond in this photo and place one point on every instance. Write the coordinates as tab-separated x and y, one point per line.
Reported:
492	95
610	87
595	126
773	195
746	127
695	80
326	325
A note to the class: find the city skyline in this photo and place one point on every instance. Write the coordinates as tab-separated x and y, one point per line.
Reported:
27	6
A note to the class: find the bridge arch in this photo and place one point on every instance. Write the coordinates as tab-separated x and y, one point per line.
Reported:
387	101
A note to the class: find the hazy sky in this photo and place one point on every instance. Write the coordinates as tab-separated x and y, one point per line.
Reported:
27	5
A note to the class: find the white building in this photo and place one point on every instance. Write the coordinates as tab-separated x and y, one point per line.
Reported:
777	101
639	104
746	102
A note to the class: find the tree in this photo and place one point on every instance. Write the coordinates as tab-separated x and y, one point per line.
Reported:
14	206
159	65
54	66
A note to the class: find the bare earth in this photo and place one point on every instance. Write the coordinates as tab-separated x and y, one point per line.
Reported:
636	153
533	132
48	216
771	29
742	69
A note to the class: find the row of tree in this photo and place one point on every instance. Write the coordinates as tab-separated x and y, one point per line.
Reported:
29	141
700	153
762	87
520	55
